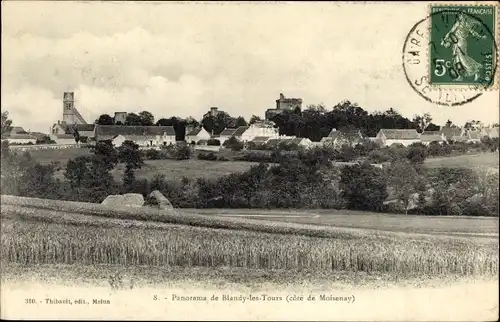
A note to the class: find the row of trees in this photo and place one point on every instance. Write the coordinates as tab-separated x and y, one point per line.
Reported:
314	122
306	180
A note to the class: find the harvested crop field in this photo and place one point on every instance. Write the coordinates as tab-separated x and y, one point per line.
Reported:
36	231
440	225
66	248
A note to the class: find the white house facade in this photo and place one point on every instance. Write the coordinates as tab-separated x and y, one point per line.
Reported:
432	136
259	129
144	136
195	135
405	137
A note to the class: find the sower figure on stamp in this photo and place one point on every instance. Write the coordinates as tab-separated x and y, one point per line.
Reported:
464	65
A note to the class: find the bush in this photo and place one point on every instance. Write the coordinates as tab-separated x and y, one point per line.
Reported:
234	144
213	142
152	154
207	156
45	140
417	153
364	187
182	152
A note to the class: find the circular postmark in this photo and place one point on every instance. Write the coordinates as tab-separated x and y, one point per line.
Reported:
450	57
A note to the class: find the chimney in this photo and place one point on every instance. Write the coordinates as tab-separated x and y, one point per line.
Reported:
282	97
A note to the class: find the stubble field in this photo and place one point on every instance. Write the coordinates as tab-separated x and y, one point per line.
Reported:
36	231
127	256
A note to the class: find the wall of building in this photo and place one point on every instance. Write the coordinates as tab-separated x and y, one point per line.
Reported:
120	117
64	140
202	135
403	142
20	141
254	131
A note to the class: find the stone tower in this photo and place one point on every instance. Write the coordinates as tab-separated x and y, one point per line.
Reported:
68	106
70	113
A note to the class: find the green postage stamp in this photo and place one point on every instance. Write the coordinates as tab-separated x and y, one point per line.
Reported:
462	47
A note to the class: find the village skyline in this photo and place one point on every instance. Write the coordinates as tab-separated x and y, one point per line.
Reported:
148	58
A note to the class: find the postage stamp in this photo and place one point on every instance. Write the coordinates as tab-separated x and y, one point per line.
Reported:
450	57
462	44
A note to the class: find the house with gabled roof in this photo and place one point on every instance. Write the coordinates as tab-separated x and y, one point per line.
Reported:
278	142
432	136
62	132
405	137
230	132
240	131
225	135
491	132
452	133
302	142
337	139
473	136
197	134
18	135
259	129
144	136
260	139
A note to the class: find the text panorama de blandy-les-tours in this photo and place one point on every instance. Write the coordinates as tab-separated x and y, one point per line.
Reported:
290	298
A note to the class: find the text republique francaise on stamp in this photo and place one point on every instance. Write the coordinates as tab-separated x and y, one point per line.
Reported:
450	57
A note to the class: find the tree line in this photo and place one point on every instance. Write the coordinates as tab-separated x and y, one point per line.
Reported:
314	122
306	179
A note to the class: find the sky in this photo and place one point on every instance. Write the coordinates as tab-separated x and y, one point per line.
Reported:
179	59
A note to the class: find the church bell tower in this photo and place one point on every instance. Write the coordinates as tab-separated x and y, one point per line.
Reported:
68	108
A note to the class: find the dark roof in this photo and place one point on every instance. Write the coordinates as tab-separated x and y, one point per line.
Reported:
228	132
260	139
239	131
65	136
113	130
194	132
431	133
273	142
296	140
69	128
20	136
431	137
354	134
17	129
400	134
334	134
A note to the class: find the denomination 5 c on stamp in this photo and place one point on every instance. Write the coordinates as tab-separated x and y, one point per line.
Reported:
450	57
462	44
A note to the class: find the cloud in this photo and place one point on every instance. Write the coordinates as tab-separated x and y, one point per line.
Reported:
180	59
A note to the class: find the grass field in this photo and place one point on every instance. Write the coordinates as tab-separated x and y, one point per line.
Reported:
193	168
472	161
172	169
62	155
